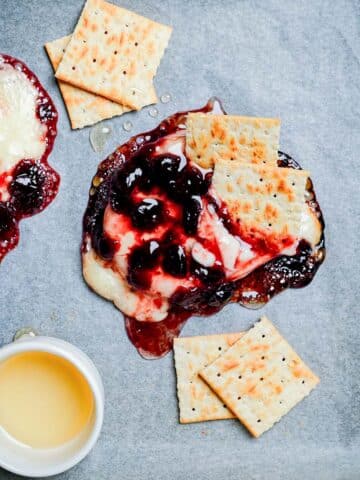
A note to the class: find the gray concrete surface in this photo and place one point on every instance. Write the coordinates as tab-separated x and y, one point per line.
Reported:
298	60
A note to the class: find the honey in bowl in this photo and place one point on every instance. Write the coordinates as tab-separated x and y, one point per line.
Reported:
45	401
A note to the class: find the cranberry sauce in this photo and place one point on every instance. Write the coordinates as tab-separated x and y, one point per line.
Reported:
164	193
32	184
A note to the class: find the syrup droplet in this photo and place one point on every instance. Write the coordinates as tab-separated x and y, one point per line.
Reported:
99	136
127	126
165	98
97	181
153	112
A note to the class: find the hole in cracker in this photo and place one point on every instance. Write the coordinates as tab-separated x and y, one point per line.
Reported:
187	352
240	377
193	409
270	224
283	359
106	32
73	68
303	381
94	60
224	406
258	420
124	72
282	381
260	179
280	402
239	398
274	195
219	348
133	92
115	52
219	374
136	44
263	335
63	50
262	358
293	184
84	41
261	379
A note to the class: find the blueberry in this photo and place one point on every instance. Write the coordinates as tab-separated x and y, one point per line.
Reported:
27	187
147	214
191	212
104	246
167	168
174	261
221	295
123	182
144	257
194	183
141	260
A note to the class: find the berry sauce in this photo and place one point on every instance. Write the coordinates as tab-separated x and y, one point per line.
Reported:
162	195
31	184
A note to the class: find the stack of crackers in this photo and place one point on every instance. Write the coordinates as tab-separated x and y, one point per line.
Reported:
107	66
254	376
267	200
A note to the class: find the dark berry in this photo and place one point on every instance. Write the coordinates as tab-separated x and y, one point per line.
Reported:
194	183
27	187
7	221
46	112
207	275
104	246
144	257
191	211
221	295
123	182
144	162
174	261
167	168
141	260
147	214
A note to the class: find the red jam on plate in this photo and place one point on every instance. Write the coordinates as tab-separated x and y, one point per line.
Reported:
151	190
27	185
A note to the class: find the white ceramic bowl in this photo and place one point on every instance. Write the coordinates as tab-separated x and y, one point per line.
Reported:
23	460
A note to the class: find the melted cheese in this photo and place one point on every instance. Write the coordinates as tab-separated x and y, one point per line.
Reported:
112	286
236	256
22	135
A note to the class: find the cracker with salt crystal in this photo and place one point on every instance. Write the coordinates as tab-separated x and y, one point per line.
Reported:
213	137
260	378
114	53
83	108
262	198
197	402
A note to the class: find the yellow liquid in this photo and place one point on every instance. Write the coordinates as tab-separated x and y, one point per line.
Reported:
44	400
